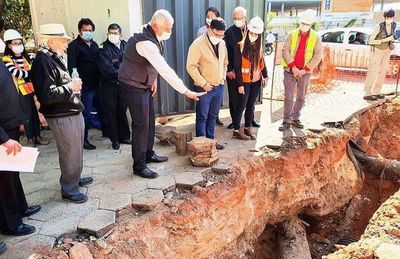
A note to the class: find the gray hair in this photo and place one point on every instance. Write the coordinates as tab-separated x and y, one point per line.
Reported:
241	10
162	17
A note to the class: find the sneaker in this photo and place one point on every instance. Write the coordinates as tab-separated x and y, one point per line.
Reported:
297	124
370	98
248	132
284	126
239	135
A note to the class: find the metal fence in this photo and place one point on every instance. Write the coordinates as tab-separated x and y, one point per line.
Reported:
189	16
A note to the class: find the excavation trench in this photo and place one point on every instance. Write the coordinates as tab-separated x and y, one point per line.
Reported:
299	200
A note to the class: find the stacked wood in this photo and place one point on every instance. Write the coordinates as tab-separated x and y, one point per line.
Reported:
181	139
202	152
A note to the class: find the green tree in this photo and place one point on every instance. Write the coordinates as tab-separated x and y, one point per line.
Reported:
17	16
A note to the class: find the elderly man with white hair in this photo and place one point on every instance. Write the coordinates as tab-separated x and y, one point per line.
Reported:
58	95
138	74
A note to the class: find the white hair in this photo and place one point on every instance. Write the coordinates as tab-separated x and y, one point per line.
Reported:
241	10
162	17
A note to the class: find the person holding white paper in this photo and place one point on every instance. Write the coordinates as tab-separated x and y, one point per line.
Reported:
13	205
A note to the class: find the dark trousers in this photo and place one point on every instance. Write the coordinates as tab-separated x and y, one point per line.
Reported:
247	101
140	104
31	122
233	97
99	121
207	109
87	100
115	112
12	197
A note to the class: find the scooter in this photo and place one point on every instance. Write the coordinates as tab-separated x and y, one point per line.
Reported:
269	41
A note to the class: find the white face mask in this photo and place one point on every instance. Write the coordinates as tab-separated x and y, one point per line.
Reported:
253	38
18	49
164	36
304	28
114	38
208	21
214	40
2	46
239	23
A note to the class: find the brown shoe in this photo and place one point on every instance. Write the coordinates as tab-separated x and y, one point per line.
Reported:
219	146
239	135
248	132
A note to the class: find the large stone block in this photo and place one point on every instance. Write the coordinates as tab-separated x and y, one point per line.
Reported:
98	222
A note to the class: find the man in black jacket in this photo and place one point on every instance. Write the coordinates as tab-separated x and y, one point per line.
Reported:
233	35
13	206
58	94
83	57
115	111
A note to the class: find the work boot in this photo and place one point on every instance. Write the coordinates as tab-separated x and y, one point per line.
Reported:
40	141
297	124
239	135
248	132
284	126
370	98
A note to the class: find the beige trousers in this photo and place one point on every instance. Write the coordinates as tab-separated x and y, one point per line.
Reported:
378	64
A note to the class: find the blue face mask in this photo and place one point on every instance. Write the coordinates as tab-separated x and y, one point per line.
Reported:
87	35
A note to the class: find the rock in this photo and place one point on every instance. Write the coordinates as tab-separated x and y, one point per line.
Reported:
67	240
394	232
165	135
188	179
98	222
147	199
101	243
320	239
387	251
181	139
202	152
80	251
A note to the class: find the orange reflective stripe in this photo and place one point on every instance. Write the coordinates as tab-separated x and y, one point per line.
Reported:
25	88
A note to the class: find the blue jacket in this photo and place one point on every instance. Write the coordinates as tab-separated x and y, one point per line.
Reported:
110	60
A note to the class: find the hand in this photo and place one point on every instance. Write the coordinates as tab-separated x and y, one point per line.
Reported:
295	71
154	88
231	75
192	95
207	87
76	85
265	82
21	128
241	90
12	146
302	72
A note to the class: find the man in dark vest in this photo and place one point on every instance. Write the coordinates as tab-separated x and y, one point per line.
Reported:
138	73
13	206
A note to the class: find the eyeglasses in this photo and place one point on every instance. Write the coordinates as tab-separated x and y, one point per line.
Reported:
114	33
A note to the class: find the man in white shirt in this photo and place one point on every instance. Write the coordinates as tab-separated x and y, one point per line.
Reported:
142	63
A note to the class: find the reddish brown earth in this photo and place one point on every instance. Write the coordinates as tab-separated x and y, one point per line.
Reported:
224	220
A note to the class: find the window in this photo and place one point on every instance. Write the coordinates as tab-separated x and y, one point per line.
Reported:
358	38
333	37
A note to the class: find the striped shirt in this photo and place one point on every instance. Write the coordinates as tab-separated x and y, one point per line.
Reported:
18	73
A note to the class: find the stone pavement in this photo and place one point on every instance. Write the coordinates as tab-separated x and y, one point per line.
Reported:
116	188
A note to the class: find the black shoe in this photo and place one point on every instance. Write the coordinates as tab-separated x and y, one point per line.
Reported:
255	124
297	124
85	181
77	198
219	122
146	173
31	211
88	146
219	146
379	96
125	141
3	248
230	126
115	145
284	126
22	230
156	159
370	98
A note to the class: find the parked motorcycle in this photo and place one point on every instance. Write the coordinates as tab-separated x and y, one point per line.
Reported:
269	42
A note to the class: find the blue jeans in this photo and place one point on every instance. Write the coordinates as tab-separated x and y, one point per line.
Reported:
207	110
87	100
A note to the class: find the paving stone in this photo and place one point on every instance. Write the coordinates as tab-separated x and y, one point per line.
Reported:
132	186
49	211
31	187
26	249
39	197
82	209
115	202
221	168
147	199
59	226
164	183
188	179
98	222
99	190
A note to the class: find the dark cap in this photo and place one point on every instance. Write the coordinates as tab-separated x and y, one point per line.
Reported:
218	24
389	13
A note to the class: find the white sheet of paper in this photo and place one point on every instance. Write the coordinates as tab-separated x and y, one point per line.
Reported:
24	161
